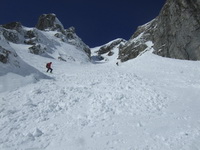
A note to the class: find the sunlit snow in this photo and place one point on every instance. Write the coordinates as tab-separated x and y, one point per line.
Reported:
148	103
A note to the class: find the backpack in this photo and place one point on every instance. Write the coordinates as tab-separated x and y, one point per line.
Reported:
47	65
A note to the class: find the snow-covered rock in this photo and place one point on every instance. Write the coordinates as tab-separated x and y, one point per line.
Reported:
52	42
137	44
46	38
108	51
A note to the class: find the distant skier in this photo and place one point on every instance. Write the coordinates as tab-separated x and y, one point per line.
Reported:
48	66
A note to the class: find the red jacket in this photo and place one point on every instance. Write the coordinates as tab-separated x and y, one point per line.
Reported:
49	65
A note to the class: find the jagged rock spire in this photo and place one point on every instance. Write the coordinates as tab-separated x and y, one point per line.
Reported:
49	22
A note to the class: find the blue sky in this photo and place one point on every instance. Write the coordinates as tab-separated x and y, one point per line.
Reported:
96	21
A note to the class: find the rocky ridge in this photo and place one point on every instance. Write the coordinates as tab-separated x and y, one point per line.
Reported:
35	37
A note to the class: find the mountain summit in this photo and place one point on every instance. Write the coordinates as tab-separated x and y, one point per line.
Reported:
49	21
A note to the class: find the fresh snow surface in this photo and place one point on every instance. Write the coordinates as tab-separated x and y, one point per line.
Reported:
148	103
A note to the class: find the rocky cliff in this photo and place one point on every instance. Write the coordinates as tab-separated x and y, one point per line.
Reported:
175	32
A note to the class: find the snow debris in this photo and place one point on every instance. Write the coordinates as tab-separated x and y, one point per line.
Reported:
146	103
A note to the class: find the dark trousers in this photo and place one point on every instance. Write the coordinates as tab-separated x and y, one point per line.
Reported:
50	70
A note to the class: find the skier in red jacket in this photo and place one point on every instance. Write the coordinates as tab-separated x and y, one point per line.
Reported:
48	65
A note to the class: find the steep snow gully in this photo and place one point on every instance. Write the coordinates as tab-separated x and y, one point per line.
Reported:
149	103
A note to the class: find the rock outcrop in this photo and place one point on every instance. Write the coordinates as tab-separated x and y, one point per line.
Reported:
175	33
49	22
7	53
107	48
4	55
108	51
178	30
138	42
12	32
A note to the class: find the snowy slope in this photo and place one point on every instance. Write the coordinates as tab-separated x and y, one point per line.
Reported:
16	73
19	70
70	50
149	103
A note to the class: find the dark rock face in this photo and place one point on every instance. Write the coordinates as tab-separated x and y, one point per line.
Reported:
30	37
37	49
49	21
175	33
11	31
87	50
70	33
30	34
178	30
4	55
13	26
11	36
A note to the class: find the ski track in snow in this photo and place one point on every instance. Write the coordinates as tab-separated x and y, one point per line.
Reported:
104	107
